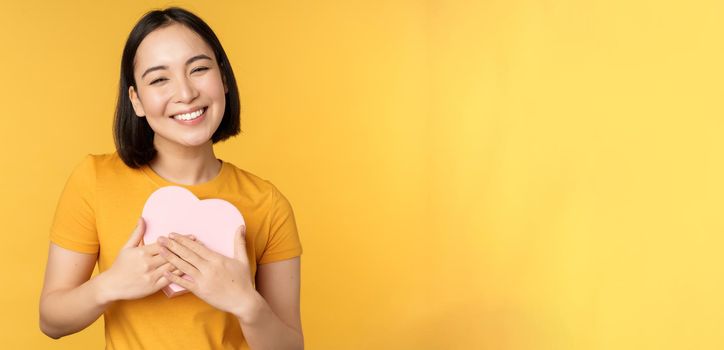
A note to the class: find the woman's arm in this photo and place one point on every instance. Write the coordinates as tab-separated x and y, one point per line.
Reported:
226	284
69	301
275	321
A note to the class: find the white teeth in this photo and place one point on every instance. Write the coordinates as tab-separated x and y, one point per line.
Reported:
189	116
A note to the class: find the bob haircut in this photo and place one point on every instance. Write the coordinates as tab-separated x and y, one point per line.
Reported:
132	135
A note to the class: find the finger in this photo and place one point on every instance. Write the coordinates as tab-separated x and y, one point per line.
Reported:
181	251
240	244
156	261
193	245
169	267
152	249
155	248
181	264
136	235
166	267
180	281
162	282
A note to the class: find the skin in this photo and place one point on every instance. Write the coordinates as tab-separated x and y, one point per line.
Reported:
268	315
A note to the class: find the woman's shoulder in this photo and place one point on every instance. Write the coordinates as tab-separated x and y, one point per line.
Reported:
103	160
250	181
101	165
92	163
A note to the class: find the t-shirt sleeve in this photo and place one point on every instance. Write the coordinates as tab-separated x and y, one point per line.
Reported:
74	224
283	240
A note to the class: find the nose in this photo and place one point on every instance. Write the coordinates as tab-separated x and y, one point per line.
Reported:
185	91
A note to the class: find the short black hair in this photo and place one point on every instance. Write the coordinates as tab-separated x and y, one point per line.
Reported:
132	135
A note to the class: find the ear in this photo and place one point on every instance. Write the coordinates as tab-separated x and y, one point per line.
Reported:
136	102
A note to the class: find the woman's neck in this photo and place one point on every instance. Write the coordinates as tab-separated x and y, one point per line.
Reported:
186	165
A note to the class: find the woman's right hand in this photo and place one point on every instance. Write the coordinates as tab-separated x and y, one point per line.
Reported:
138	269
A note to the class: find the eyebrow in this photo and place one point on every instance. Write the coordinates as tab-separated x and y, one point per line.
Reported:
189	61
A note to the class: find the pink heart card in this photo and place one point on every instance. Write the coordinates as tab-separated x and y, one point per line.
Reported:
175	209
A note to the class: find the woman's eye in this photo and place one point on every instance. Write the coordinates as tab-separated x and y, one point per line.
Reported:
198	69
157	81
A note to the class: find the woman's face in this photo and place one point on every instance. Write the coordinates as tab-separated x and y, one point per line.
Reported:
179	87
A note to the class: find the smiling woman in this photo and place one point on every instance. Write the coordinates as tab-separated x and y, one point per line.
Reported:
160	77
178	85
177	98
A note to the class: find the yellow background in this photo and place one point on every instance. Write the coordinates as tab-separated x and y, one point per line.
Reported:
509	174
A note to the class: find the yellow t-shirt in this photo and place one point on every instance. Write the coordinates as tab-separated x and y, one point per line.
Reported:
97	211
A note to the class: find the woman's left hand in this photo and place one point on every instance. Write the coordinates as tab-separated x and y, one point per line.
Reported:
223	282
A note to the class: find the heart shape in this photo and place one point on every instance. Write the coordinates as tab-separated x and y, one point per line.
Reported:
175	209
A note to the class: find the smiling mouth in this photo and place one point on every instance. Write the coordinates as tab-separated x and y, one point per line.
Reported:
190	116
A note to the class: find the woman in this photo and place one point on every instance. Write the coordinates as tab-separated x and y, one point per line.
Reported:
177	97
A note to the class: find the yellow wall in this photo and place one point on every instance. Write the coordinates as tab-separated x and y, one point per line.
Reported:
510	174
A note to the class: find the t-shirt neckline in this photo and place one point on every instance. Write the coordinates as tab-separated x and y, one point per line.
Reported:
201	186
